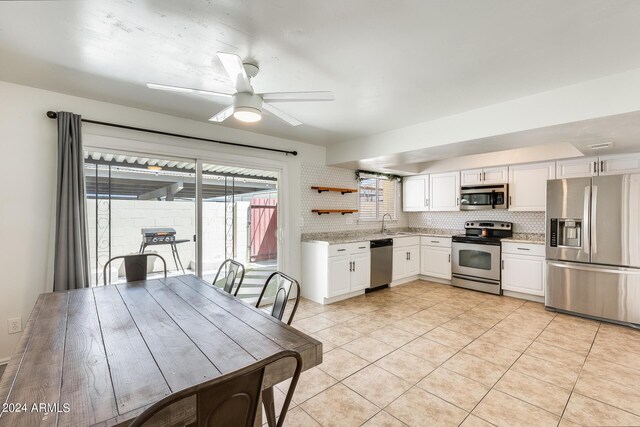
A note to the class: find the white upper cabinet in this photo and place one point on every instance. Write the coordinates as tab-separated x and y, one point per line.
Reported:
577	168
486	176
593	166
528	186
471	177
415	193
619	164
445	191
499	175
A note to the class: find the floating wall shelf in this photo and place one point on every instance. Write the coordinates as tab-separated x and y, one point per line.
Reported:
328	211
338	190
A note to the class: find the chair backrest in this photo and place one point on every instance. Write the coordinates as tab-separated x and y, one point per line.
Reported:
230	400
135	267
284	284
232	270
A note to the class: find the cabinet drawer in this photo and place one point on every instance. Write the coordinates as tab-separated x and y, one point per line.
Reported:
348	248
360	247
444	242
400	242
523	249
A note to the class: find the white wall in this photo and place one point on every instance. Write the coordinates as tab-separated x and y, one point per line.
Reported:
313	174
27	194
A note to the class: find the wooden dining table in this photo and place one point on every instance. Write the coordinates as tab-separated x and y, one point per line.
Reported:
101	355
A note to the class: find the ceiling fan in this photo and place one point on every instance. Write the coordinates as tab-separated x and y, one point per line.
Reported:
247	105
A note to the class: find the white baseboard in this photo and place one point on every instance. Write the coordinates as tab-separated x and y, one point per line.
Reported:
420	277
343	297
519	295
435	279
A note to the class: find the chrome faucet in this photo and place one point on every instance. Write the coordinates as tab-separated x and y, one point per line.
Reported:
384	230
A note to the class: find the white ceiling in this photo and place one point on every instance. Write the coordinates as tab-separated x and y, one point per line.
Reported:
389	63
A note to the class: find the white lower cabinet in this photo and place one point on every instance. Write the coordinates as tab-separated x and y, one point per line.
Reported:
329	271
406	262
523	268
406	257
360	271
435	257
339	275
435	262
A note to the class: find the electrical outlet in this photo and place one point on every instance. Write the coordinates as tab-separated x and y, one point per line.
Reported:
14	325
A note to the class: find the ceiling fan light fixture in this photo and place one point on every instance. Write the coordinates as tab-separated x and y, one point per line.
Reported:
247	114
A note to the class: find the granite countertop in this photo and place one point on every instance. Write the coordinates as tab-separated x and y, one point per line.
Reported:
533	238
368	235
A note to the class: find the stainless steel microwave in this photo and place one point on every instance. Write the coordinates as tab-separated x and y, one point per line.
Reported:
484	197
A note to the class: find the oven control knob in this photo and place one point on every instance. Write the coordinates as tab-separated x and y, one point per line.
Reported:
154	240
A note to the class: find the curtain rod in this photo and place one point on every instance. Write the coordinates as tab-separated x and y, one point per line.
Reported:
54	115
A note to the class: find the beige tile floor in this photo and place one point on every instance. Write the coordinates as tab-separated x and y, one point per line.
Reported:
425	354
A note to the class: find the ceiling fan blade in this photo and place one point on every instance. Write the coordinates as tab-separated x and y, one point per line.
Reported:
281	115
222	115
233	64
187	90
297	96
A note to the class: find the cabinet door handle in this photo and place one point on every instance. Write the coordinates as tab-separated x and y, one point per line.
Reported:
457	201
523	249
426	202
354	266
510	202
601	166
449	258
484	176
341	250
479	176
502	264
435	241
595	168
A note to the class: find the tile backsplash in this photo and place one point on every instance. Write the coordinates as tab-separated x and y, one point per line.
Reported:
523	222
312	174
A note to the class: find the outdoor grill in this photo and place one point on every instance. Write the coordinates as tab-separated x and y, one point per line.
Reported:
158	235
162	236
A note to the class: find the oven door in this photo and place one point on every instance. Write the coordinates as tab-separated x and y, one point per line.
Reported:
476	260
483	198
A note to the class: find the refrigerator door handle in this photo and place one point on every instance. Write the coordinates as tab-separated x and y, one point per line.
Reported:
593	219
586	230
588	267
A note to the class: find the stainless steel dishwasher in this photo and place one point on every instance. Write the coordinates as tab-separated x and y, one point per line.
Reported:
381	264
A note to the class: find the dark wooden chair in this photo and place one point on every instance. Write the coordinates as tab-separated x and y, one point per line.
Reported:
284	284
233	270
135	267
230	400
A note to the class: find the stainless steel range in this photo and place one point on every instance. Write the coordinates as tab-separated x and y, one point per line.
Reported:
476	256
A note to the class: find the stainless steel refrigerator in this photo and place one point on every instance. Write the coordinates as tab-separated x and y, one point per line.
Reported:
593	247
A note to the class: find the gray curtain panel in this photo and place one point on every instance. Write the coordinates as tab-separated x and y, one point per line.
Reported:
71	262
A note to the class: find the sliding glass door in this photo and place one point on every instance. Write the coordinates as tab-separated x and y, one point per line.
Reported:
240	222
140	204
143	203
